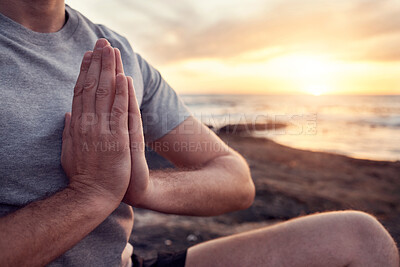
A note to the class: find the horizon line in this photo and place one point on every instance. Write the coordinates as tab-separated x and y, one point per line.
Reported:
286	94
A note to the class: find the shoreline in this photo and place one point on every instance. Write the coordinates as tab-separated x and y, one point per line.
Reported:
289	183
326	151
253	130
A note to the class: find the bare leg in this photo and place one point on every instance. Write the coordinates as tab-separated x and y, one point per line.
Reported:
346	238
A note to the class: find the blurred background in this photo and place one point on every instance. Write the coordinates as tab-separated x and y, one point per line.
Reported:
312	75
309	49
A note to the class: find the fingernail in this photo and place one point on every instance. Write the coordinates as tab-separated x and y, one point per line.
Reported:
99	44
87	56
107	50
120	77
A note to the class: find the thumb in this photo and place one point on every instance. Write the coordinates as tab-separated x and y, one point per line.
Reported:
67	124
134	121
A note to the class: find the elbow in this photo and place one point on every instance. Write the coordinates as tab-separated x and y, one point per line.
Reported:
250	195
245	190
237	187
247	193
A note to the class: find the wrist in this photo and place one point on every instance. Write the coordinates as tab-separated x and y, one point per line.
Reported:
93	195
138	196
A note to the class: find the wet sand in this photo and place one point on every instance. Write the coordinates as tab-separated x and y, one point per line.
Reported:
289	183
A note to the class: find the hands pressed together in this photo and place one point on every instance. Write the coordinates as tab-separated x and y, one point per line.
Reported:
103	144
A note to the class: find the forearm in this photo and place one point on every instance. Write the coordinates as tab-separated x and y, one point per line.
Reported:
221	186
40	232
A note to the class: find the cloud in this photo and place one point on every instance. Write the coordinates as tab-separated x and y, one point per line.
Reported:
168	31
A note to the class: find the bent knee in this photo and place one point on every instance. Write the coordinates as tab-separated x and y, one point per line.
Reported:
361	221
368	235
364	224
361	225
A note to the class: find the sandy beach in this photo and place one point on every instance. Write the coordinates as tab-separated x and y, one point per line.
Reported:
289	183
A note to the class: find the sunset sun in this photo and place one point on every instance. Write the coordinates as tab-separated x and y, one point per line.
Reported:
313	74
316	89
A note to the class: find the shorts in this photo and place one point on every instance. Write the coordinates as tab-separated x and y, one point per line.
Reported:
163	259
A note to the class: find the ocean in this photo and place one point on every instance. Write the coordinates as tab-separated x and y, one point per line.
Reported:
366	127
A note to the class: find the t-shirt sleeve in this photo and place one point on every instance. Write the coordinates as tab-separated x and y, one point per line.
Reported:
162	109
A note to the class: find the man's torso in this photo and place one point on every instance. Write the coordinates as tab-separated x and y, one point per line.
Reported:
38	73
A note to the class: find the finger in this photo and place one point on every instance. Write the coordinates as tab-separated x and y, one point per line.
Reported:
106	90
118	60
119	111
67	125
92	78
135	120
77	100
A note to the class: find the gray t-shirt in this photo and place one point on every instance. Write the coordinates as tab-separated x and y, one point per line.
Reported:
38	74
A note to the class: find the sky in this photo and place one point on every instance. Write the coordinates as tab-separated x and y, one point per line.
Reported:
262	47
